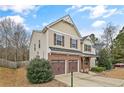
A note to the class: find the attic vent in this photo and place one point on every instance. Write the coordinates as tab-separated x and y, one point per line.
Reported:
68	19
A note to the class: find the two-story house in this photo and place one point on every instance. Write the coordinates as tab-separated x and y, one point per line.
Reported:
88	53
61	43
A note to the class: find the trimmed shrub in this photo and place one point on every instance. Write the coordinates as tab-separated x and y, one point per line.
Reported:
98	69
39	71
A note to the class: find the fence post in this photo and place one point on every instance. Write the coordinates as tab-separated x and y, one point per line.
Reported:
71	79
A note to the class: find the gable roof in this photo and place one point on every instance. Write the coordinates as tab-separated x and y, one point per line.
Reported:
85	37
65	18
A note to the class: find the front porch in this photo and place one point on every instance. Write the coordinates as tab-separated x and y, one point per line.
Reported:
85	64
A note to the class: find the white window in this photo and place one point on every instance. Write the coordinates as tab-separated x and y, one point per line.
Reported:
87	47
58	39
73	43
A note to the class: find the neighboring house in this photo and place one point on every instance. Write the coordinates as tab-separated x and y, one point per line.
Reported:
61	43
88	53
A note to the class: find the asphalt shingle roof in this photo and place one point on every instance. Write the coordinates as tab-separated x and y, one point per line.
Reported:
89	54
64	50
70	51
83	38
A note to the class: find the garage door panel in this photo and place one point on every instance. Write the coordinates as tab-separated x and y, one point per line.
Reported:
72	66
54	68
58	67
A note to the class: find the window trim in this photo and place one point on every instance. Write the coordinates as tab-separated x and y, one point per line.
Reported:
59	39
34	47
72	44
86	48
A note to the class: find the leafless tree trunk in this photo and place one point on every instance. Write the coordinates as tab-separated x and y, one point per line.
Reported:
109	35
14	37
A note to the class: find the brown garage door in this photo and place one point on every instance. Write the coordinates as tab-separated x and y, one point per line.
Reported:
58	66
72	66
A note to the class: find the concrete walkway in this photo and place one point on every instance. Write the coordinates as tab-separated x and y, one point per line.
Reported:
89	80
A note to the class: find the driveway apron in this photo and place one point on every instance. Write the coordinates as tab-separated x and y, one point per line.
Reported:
89	80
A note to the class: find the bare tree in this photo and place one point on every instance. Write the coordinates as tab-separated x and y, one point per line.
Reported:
99	45
108	35
5	27
14	36
19	39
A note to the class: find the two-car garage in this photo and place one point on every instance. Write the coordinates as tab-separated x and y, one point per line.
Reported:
64	63
62	66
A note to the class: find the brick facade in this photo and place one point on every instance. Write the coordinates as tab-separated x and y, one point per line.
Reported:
67	57
54	56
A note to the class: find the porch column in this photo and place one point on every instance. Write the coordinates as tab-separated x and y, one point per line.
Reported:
83	64
66	66
78	66
89	62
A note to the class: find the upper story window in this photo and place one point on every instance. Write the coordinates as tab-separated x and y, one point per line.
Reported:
34	47
87	48
73	43
58	39
39	43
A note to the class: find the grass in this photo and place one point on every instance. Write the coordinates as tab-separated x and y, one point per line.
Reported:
17	78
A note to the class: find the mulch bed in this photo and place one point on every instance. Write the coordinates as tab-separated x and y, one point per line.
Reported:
114	73
17	78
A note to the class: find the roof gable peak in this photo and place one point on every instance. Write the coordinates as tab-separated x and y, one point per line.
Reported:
65	18
68	19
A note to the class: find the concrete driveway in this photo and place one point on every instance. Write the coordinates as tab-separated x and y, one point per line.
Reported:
89	80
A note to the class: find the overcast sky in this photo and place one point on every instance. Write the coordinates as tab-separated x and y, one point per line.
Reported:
88	19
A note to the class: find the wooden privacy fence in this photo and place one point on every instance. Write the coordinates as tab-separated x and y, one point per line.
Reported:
12	64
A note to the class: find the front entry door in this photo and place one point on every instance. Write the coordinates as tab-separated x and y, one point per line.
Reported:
85	63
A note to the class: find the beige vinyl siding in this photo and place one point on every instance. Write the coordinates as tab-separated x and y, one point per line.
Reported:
88	42
42	51
65	28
